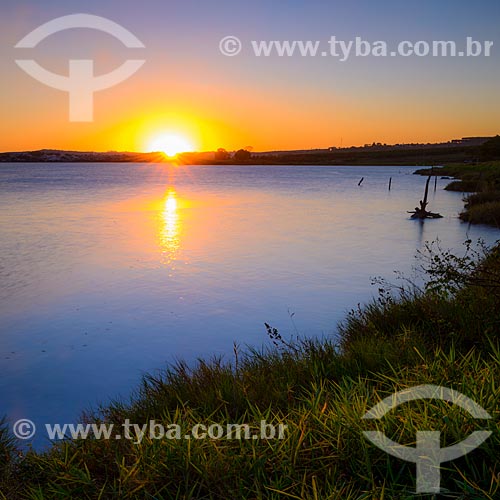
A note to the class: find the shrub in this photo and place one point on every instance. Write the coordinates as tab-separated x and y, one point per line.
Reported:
486	213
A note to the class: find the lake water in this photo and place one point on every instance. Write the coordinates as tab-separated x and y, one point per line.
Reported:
108	271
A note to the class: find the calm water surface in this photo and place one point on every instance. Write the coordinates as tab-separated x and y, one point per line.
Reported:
108	271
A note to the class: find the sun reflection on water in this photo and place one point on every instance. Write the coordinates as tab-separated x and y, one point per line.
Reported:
170	227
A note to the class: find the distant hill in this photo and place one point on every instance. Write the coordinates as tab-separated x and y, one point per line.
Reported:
468	150
53	155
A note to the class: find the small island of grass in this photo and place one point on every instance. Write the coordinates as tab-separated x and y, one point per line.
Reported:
481	182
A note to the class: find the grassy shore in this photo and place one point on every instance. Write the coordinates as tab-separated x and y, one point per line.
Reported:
482	183
446	334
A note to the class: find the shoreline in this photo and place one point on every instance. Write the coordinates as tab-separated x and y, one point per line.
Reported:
481	186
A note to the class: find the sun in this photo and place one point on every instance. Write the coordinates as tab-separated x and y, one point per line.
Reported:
170	144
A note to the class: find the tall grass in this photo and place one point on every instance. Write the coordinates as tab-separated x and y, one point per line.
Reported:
324	453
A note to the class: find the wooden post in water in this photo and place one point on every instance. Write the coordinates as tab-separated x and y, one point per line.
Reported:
390	183
424	203
361	181
435	179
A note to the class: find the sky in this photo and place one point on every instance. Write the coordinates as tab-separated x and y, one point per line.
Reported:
189	89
